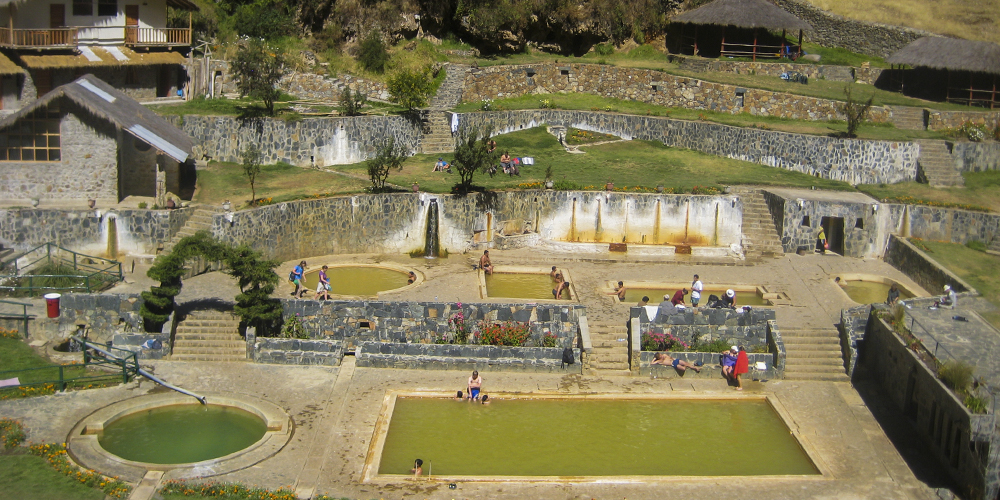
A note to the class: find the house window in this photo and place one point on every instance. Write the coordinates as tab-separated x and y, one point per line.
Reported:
107	7
83	7
32	138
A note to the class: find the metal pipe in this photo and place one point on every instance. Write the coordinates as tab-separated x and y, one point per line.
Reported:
138	370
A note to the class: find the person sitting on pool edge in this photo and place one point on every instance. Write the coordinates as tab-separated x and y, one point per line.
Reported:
619	291
662	358
561	285
485	264
475	384
729	299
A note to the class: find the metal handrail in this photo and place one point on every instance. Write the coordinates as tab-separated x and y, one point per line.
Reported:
24	313
52	253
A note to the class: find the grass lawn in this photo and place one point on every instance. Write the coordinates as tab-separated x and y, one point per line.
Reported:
978	269
972	19
15	354
981	188
885	132
629	163
222	181
30	477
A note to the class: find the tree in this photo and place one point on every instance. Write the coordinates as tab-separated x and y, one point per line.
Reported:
251	157
168	269
409	88
372	53
257	281
388	157
352	102
472	154
256	69
856	112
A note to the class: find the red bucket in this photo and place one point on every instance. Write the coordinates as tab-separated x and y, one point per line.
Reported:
52	304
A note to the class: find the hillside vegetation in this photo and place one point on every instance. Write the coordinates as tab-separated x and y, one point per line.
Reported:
972	19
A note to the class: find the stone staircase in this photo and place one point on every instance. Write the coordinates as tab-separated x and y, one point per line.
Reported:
449	94
209	336
436	120
908	118
696	64
760	236
937	166
813	354
610	354
994	247
200	221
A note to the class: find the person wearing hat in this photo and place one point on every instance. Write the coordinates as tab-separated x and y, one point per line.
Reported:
441	166
729	299
950	298
729	362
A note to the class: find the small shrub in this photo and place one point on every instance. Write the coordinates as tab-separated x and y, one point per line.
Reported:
143	204
293	329
549	340
957	375
459	327
976	245
372	53
409	89
662	342
352	102
509	333
975	404
487	105
11	433
604	49
973	132
565	185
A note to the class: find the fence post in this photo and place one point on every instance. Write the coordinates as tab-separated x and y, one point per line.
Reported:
24	316
62	380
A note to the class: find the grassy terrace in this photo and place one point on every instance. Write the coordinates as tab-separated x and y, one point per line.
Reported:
978	269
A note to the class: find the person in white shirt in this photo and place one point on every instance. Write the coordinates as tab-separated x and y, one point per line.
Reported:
696	289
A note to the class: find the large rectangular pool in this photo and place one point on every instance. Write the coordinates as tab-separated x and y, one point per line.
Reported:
591	437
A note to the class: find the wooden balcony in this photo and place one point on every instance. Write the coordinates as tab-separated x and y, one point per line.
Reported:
55	38
157	37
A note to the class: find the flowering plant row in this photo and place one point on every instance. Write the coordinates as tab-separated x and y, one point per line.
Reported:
55	455
231	491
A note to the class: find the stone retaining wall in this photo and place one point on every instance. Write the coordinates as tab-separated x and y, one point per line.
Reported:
902	255
703	325
311	86
853	322
775	69
278	351
309	142
850	160
955	435
485	358
831	30
937	120
354	322
977	156
949	224
653	87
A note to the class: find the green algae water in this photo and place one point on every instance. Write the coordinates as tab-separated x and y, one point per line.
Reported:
358	280
182	433
871	292
521	286
565	437
634	295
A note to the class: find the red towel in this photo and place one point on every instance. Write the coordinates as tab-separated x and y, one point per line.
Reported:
742	364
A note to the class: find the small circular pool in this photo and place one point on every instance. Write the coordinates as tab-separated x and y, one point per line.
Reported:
182	433
360	279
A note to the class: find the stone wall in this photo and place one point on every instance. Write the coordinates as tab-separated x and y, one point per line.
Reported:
849	160
105	314
87	168
937	120
852	326
309	142
653	87
977	156
484	358
775	69
139	232
914	263
957	437
354	322
831	30
949	224
703	325
324	88
710	365
279	351
797	232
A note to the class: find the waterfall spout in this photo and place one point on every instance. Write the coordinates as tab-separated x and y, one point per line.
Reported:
432	245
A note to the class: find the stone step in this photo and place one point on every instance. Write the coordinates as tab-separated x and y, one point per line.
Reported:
213	343
209	357
813	354
184	338
809	332
819	377
797	340
908	118
797	361
813	368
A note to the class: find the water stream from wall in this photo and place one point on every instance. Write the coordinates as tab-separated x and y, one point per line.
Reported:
599	229
715	235
687	221
572	223
432	243
656	224
112	232
341	146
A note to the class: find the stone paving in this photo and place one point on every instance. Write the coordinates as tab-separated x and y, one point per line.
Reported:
974	341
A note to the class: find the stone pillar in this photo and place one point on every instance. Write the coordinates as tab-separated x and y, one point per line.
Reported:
161	188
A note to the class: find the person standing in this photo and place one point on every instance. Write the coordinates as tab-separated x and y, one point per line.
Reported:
696	288
742	366
821	243
323	288
297	278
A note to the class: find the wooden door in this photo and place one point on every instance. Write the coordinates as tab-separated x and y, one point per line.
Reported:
131	24
57	15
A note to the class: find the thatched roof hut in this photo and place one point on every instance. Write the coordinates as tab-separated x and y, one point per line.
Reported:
743	14
951	54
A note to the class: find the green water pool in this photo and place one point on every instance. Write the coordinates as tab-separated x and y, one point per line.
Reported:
566	437
634	295
521	286
358	280
182	433
871	292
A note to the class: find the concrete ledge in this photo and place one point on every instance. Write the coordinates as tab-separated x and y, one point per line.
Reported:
711	365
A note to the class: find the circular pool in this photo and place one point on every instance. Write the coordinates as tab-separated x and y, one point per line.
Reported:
362	280
176	433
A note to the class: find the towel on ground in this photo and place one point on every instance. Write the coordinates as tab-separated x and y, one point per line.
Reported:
10	382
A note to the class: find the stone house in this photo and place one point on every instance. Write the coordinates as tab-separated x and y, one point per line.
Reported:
87	140
125	43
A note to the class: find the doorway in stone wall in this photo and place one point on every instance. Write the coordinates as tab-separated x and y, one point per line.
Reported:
834	228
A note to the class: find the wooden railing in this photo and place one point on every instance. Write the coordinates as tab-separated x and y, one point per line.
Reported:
55	37
157	36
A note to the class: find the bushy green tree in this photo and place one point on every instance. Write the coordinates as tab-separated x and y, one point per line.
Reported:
410	89
372	53
168	269
472	155
352	102
855	112
256	69
267	19
388	157
257	281
251	157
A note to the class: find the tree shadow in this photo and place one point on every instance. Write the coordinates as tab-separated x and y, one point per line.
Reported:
182	309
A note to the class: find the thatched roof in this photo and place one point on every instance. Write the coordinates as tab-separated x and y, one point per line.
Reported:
106	102
744	14
102	56
177	4
950	53
7	67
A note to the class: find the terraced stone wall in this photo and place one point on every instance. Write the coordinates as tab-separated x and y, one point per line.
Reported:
653	87
949	224
850	160
775	69
937	120
977	156
704	325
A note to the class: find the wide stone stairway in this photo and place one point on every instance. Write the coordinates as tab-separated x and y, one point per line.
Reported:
209	336
610	354
907	118
760	236
813	354
937	165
